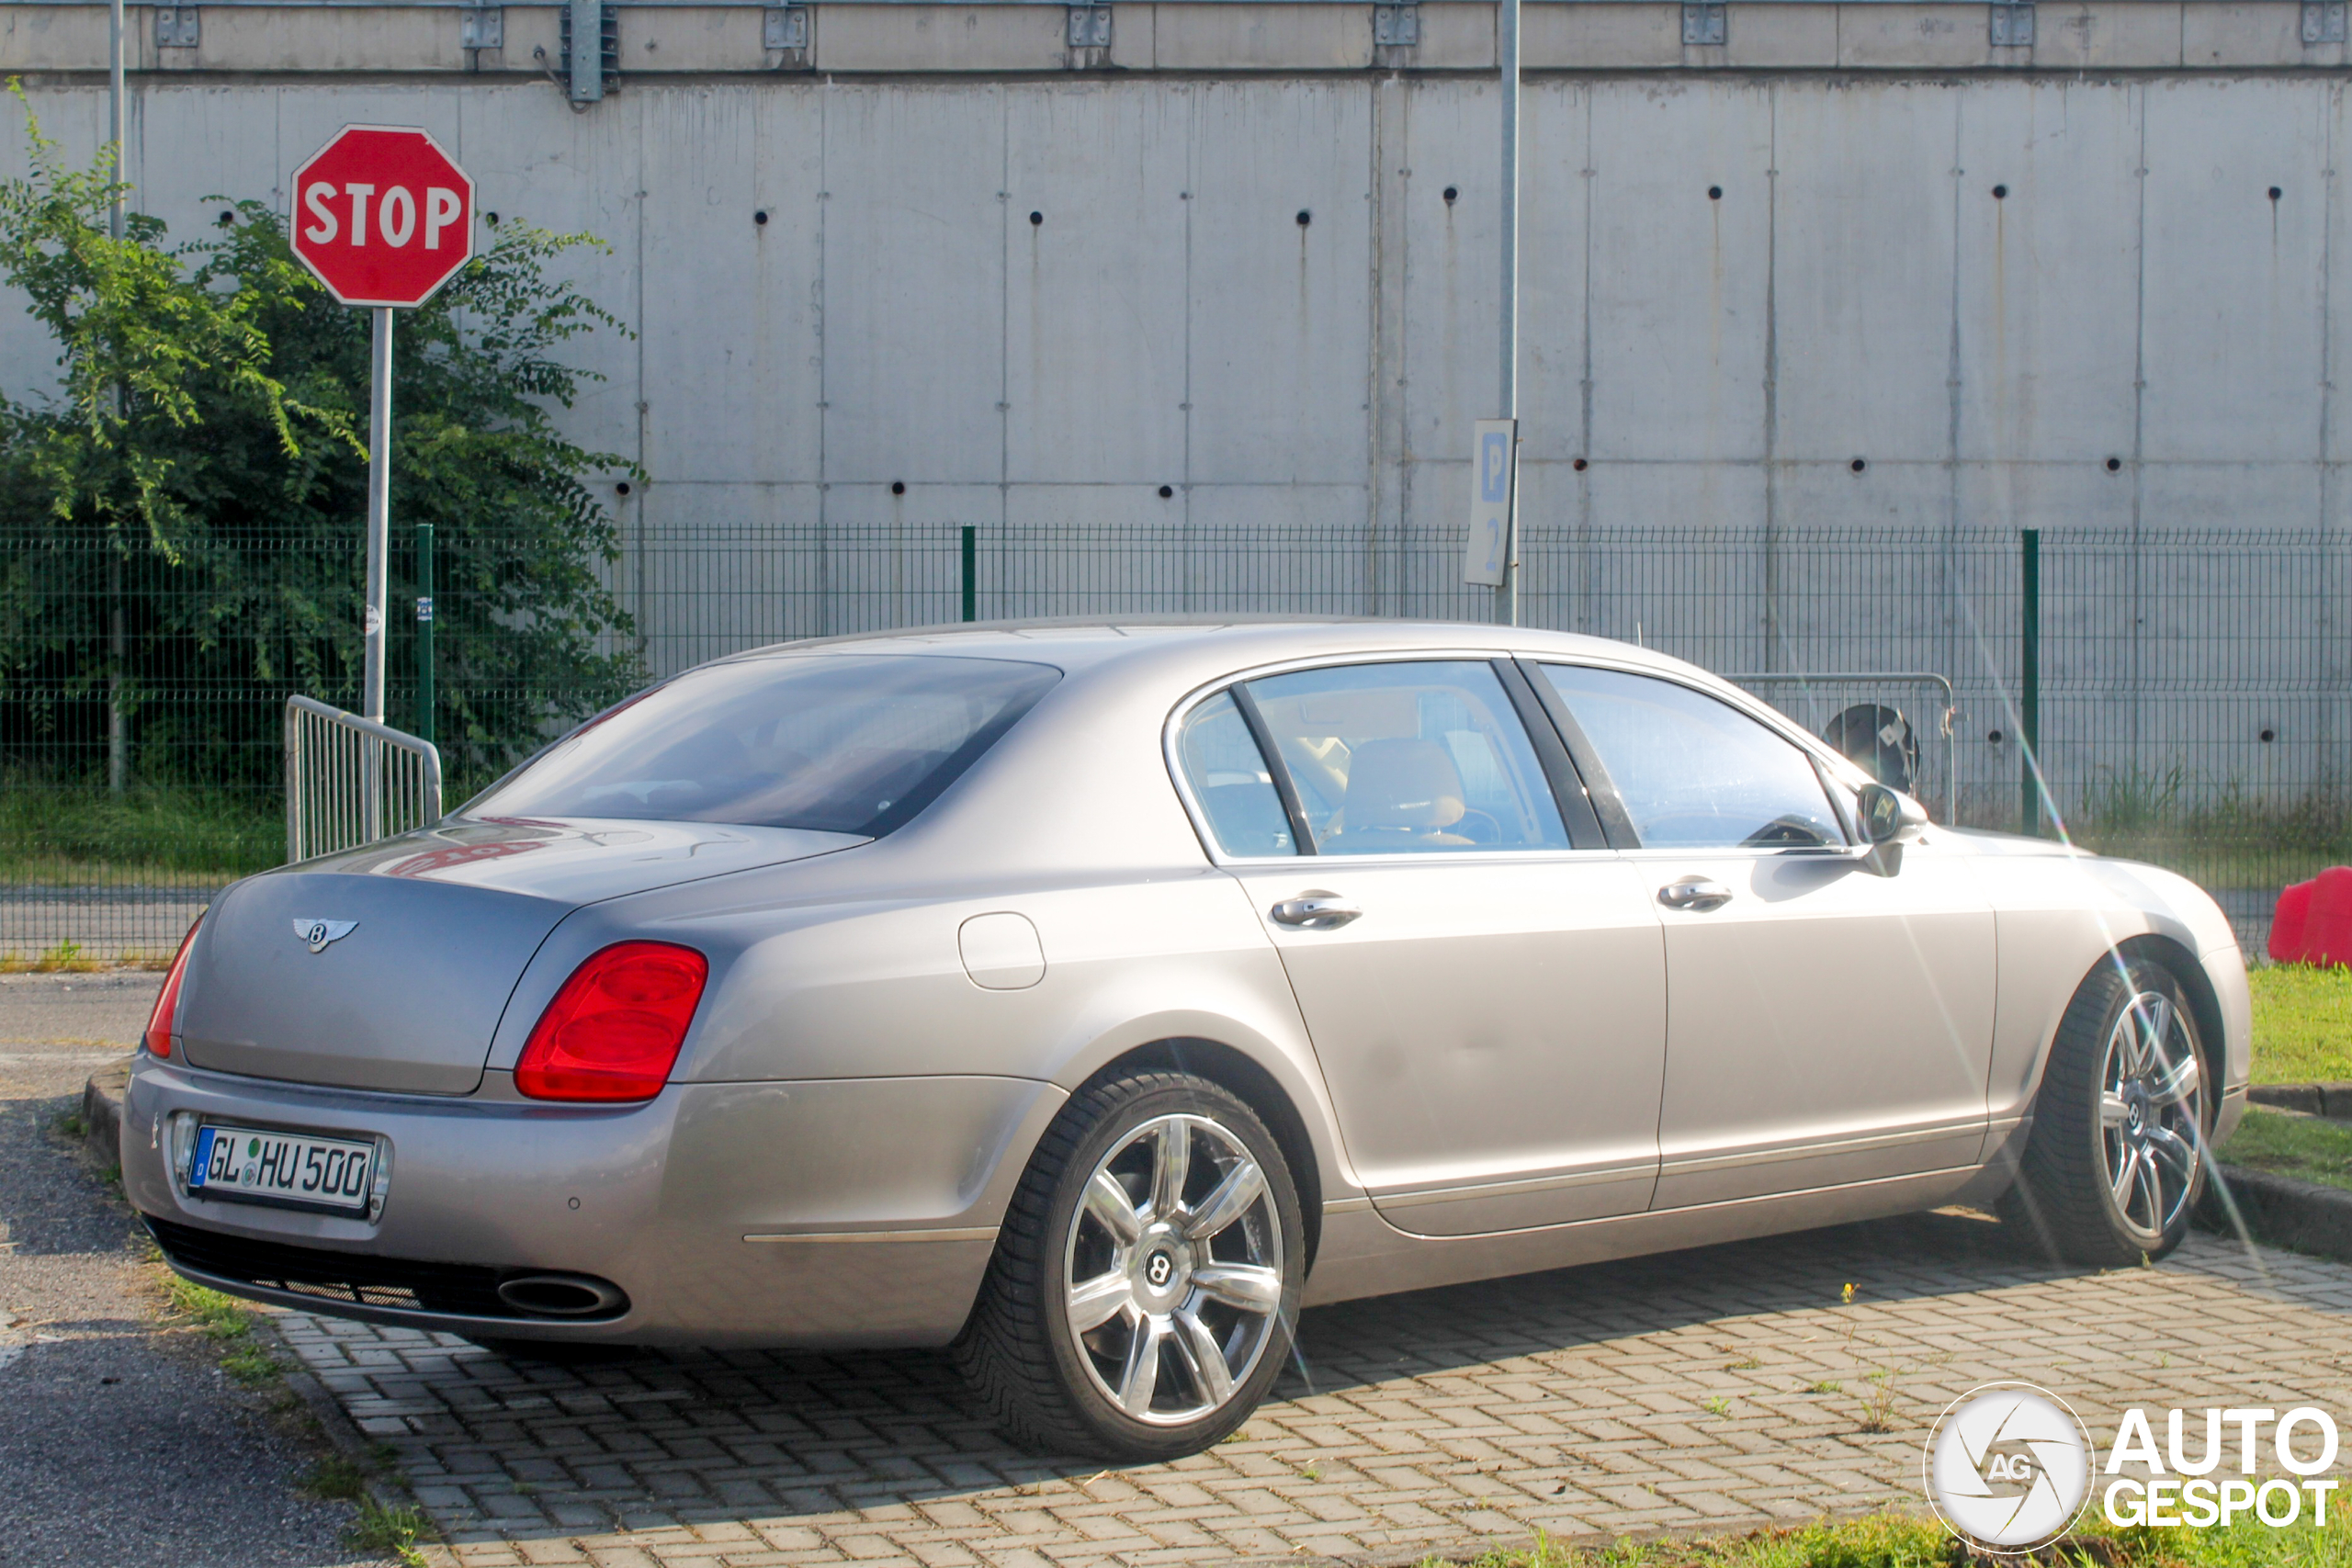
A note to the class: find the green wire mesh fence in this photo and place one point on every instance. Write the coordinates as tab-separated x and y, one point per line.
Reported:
2194	693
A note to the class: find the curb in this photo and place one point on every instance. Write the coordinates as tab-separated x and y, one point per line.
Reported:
2280	1210
2312	1099
102	1111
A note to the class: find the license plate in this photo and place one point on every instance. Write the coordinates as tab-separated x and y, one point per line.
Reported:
293	1168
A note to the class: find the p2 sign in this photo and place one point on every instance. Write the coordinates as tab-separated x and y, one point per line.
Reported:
1493	474
383	216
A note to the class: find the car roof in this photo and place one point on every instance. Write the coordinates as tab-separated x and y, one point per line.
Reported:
1207	646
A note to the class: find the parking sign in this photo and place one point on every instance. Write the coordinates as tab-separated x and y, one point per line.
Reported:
1493	474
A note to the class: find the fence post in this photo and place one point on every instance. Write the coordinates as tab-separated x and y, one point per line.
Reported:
425	631
2029	685
971	572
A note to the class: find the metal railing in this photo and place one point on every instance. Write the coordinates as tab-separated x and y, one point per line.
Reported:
350	781
1818	699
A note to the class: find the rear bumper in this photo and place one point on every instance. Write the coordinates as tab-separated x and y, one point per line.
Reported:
842	1212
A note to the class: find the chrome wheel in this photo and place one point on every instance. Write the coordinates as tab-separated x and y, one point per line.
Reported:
2151	1114
1172	1275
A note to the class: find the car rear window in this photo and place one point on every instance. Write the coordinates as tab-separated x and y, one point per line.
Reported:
838	743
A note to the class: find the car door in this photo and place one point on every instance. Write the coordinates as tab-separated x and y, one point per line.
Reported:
1825	1023
1486	996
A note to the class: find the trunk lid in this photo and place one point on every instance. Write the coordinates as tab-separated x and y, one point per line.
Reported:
388	967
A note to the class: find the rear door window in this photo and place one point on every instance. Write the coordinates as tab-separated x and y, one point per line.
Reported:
840	743
1692	771
1228	778
1427	757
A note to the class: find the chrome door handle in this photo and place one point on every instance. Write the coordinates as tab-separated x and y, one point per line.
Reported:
1694	893
1314	912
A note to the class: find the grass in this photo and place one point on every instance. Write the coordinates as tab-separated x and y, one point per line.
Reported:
2304	1146
336	1479
1901	1540
390	1531
81	836
2303	1023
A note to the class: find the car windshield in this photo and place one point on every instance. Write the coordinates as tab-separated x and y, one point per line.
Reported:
838	743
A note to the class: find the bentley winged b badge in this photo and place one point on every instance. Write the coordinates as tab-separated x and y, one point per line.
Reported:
318	933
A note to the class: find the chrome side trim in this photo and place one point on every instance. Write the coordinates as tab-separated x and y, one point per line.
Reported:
965	1233
1691	1165
1407	1197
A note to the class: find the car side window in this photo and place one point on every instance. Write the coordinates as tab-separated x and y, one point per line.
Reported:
1694	772
1427	757
1229	780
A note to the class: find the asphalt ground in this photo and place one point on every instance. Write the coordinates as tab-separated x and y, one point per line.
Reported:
122	1444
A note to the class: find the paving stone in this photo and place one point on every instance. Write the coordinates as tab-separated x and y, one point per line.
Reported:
1575	1403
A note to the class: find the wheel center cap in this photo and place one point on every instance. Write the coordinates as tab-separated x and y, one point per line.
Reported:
1159	1268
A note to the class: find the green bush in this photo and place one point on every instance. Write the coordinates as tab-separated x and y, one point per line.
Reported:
200	472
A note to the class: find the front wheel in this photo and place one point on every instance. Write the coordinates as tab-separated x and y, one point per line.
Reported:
1146	1277
2116	1158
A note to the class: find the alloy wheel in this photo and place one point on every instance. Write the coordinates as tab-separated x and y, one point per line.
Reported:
2151	1114
1172	1276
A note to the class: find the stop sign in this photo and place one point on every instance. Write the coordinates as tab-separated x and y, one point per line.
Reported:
382	215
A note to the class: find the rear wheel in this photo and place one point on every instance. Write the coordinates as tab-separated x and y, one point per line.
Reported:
1146	1277
2116	1158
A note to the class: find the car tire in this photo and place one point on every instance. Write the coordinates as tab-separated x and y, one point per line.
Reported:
1122	1321
2116	1158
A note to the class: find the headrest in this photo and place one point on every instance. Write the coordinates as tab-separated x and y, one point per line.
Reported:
1402	784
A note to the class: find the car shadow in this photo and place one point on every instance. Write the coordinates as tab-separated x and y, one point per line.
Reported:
501	1447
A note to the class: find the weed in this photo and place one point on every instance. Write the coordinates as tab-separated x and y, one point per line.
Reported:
392	1531
336	1479
1717	1404
221	1317
1312	1472
1878	1407
1827	1385
252	1366
73	1125
1746	1363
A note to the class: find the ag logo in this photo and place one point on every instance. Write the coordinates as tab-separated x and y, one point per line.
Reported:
318	933
2008	1467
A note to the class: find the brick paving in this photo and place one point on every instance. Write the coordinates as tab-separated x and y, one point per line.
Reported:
1719	1388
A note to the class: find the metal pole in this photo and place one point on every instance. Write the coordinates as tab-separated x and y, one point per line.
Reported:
425	631
380	527
2030	686
1507	55
118	640
971	572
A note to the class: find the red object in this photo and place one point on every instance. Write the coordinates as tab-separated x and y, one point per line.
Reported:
2314	922
614	1030
167	1000
383	215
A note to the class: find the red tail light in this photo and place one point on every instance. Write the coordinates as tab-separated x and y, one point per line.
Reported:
167	1000
614	1030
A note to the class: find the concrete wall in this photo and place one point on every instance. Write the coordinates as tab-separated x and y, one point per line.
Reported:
1766	286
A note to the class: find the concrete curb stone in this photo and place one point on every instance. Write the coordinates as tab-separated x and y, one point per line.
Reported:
2332	1099
2282	1210
102	1110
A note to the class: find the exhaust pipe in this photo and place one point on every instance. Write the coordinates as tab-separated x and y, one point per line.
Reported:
562	1295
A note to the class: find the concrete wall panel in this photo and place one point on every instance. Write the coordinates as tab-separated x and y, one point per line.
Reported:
730	342
1862	268
2049	276
915	235
1094	294
1555	248
2233	297
1278	310
1680	278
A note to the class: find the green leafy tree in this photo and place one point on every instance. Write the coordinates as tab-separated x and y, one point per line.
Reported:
201	468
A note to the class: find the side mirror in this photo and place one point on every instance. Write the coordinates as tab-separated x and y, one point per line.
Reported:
1890	820
1890	817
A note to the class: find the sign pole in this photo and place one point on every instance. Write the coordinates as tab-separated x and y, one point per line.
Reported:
1507	48
379	529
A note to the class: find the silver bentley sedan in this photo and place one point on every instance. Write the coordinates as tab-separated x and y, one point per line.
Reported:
1090	996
